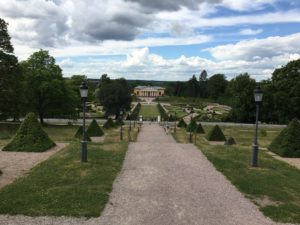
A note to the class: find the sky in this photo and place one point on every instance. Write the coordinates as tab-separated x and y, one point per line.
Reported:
157	39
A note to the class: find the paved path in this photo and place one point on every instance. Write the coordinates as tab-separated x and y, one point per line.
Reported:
165	183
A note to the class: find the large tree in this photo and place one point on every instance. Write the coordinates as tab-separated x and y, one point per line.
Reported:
10	77
46	91
193	87
114	95
241	91
216	85
203	84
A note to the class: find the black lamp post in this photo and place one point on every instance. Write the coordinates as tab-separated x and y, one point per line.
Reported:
129	115
121	130
84	94
175	121
190	134
258	95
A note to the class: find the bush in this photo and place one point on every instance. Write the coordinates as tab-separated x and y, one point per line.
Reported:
287	143
109	124
119	122
94	130
199	129
30	137
181	123
164	116
79	134
135	113
216	134
192	126
230	141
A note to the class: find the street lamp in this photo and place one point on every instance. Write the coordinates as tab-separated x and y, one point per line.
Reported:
129	115
84	94
121	130
175	121
258	95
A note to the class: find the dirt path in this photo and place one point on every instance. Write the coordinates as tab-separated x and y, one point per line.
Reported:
15	164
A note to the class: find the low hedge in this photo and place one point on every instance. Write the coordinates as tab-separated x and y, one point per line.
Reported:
181	123
94	130
109	124
164	116
135	113
216	134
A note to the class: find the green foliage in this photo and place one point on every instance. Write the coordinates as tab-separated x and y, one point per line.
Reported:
192	126
216	134
135	113
114	95
230	141
164	116
46	91
119	122
109	124
199	129
263	132
181	123
94	130
5	44
30	137
79	134
287	143
216	85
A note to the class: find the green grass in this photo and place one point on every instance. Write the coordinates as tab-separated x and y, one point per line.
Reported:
149	111
273	180
64	186
179	110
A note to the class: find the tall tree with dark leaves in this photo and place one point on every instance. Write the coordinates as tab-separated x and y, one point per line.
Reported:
10	77
114	95
203	84
216	85
46	91
193	87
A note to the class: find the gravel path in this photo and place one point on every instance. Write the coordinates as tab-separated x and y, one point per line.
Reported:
165	183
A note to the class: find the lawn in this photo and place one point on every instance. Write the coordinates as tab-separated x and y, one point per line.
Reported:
61	185
274	186
149	111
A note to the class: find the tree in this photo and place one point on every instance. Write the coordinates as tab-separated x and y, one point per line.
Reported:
216	85
46	91
241	91
193	87
203	84
114	95
10	77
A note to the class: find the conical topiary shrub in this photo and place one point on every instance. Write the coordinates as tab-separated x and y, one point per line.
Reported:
181	123
30	137
287	143
119	122
80	135
216	134
199	129
230	141
192	126
109	124
94	130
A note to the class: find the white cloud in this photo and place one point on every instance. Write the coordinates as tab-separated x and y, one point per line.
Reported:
249	31
66	63
249	49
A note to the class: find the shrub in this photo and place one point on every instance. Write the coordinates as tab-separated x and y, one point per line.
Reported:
94	130
109	124
287	143
30	137
119	122
216	134
164	116
181	123
79	134
199	129
135	113
230	141
192	126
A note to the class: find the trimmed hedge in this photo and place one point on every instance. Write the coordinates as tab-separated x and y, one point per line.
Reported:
230	141
181	123
79	134
216	134
135	113
287	143
30	137
119	122
199	129
192	126
164	116
94	130
109	124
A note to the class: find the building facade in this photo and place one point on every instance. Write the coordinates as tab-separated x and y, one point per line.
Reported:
149	91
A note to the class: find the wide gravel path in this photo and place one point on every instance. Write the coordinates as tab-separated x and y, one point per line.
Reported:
166	183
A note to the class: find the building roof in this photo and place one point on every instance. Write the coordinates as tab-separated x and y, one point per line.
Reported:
149	88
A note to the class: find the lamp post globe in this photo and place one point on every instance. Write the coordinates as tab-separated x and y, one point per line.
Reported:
258	96
84	94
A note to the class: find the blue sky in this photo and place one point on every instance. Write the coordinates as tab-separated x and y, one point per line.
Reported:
158	39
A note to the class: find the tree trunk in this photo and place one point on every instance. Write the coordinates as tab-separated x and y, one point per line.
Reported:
41	118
